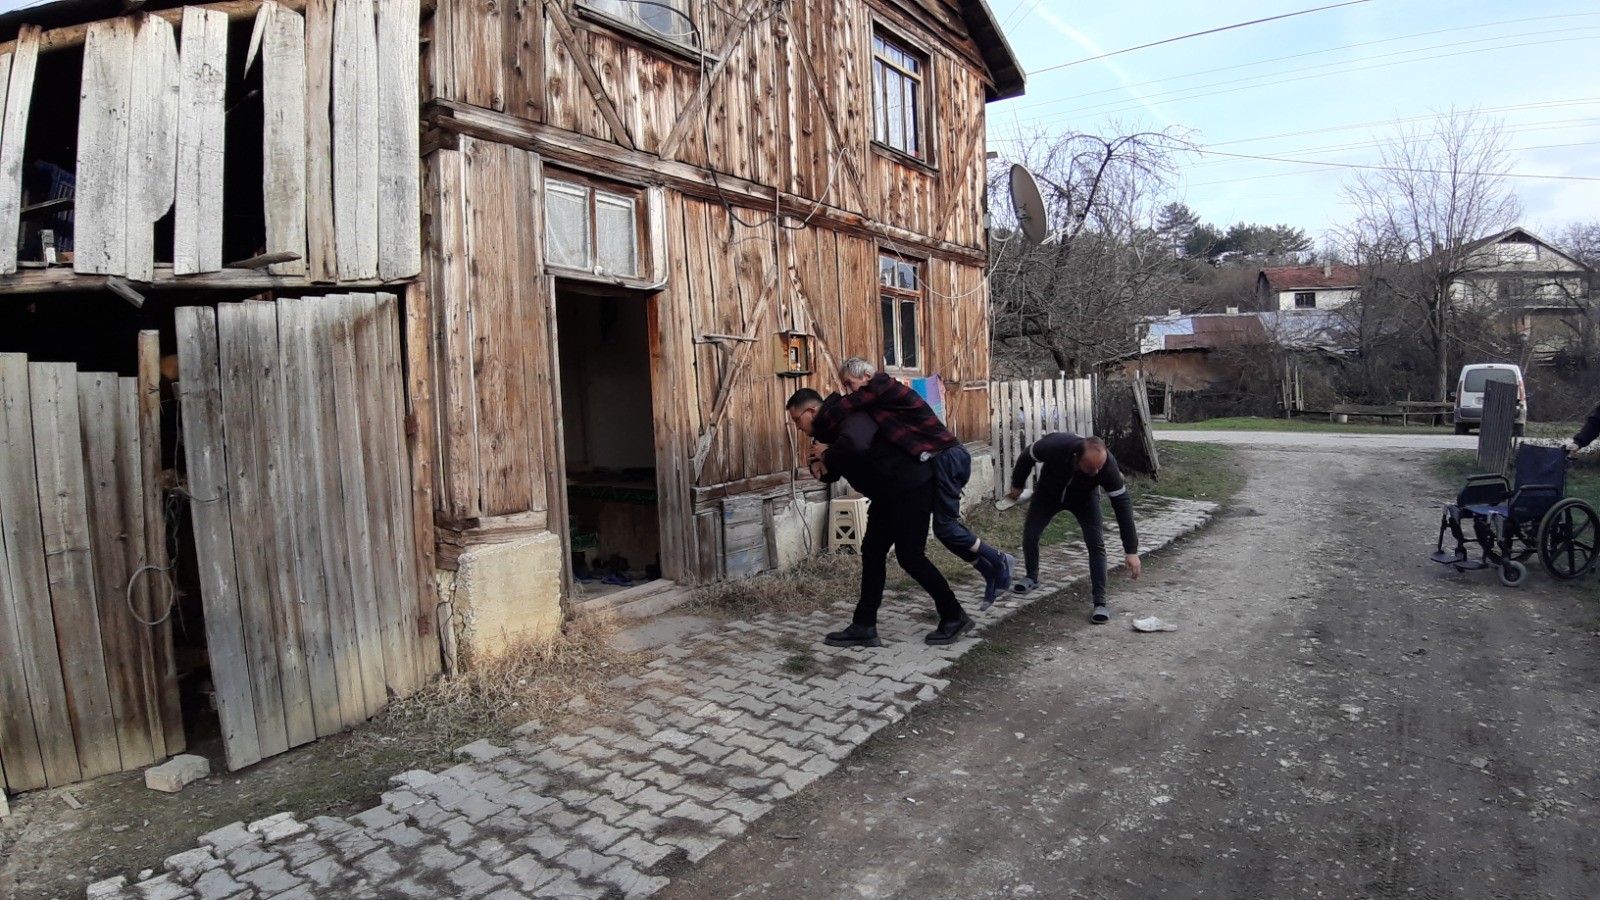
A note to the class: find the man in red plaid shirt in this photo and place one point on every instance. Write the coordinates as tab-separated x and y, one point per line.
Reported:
907	421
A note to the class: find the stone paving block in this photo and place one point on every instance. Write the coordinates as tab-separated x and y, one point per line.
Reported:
302	850
585	862
162	887
401	800
743	807
377	818
482	751
476	807
471	879
458	832
564	818
710	750
229	837
671	758
568	888
631	882
273	879
645	855
787	754
704	793
653	800
694	812
277	828
217	884
378	865
546	843
660	777
437	858
402	836
247	858
697	847
191	864
598	834
107	889
491	852
528	872
324	872
430	814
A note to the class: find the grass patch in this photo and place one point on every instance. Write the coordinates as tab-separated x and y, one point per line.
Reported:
1195	472
533	679
816	582
1312	424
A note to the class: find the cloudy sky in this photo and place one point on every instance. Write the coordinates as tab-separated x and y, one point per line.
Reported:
1320	87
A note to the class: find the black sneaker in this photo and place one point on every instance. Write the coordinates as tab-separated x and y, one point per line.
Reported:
854	636
947	632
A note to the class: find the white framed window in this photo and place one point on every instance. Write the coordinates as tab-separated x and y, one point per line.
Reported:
667	20
593	229
1305	300
900	301
899	96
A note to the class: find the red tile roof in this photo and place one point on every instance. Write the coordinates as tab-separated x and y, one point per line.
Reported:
1297	278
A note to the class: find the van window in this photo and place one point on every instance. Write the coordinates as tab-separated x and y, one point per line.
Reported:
1477	378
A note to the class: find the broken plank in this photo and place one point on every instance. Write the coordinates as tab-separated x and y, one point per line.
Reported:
100	244
355	139
283	73
197	218
399	139
18	90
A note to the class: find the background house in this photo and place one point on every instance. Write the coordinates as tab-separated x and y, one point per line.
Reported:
1307	287
1536	295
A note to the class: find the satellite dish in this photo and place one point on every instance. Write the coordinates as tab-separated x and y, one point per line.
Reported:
1027	203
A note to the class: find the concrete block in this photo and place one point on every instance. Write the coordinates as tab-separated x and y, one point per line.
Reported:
176	773
508	592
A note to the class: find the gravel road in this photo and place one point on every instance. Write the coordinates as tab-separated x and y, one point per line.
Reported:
1335	717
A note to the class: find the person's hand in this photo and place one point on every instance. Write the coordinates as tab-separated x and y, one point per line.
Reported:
817	449
1571	447
1014	493
1134	566
819	469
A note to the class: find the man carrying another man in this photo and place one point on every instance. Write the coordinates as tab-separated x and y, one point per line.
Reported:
1075	469
905	419
901	490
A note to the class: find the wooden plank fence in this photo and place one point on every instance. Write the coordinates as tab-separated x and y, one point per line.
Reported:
86	682
1021	412
1495	429
301	484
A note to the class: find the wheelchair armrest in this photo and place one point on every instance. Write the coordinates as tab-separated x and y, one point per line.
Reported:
1532	501
1483	490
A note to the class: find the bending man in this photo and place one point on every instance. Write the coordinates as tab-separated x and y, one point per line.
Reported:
901	491
1586	434
1075	469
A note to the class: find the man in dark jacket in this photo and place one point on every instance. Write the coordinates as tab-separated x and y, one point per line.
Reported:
1075	470
907	421
901	491
1586	434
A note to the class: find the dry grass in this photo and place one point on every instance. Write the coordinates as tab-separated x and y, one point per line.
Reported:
535	679
815	583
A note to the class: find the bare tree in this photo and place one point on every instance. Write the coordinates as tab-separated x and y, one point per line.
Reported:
1078	297
1438	189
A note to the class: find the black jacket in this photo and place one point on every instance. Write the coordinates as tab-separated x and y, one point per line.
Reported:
862	455
1063	484
1590	429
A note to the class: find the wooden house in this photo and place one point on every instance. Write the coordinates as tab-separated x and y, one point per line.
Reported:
420	313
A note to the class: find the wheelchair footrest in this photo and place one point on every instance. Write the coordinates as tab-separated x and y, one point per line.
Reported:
1470	565
1445	557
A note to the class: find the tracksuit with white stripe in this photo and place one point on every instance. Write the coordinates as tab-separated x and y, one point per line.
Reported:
1062	486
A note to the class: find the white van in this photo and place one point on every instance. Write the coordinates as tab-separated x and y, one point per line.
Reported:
1470	389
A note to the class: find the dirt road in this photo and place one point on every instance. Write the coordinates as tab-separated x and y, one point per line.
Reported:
1337	717
1328	440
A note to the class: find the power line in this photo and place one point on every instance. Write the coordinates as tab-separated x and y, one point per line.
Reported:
1369	166
1255	178
1515	107
1292	56
1378	142
1185	37
1272	80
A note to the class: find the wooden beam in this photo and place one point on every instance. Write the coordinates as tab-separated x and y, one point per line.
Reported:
62	279
580	57
265	259
639	167
691	112
72	35
121	289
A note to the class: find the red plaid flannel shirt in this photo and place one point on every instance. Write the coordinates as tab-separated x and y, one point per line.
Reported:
902	415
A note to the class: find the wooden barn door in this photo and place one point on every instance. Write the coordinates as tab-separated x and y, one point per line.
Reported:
301	497
87	685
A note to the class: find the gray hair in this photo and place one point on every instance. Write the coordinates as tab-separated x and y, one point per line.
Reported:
857	367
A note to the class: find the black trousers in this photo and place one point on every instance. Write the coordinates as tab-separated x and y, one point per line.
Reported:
1042	509
900	523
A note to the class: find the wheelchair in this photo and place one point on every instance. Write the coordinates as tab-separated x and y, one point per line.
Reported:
1510	522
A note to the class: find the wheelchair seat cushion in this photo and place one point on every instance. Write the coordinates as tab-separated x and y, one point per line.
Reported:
1486	510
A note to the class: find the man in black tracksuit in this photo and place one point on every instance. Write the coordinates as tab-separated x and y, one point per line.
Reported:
1075	469
1586	434
901	490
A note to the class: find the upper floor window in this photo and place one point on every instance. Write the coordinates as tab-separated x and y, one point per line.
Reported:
900	295
663	19
1305	300
592	229
898	97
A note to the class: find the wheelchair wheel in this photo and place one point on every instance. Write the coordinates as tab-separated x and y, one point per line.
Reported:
1569	539
1513	573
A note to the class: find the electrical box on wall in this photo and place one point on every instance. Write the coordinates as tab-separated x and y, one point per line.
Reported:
794	353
